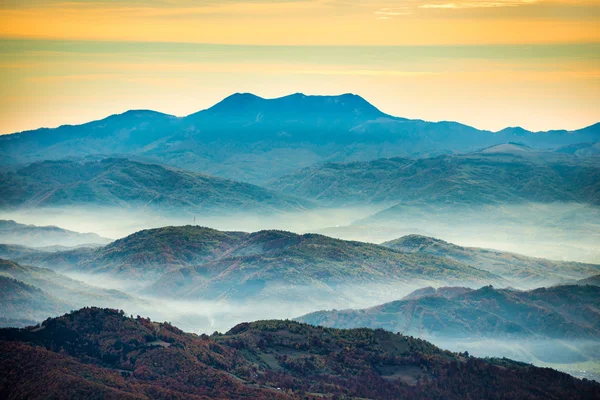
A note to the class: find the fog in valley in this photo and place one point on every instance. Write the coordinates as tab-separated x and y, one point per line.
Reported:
118	222
554	231
576	357
201	316
557	231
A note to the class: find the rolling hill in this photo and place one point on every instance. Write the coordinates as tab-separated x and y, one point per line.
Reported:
153	252
592	280
283	266
194	262
34	294
103	353
502	174
133	185
522	271
252	139
24	305
556	327
561	312
12	232
59	285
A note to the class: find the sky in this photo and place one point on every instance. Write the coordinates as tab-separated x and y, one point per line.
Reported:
486	63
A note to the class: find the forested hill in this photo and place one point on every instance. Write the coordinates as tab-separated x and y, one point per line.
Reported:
105	354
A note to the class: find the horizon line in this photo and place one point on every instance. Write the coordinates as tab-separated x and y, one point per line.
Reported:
282	97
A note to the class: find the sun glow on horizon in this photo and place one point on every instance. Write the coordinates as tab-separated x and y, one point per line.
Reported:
486	63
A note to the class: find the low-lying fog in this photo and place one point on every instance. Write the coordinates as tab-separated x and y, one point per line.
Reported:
561	231
580	358
118	222
554	231
201	316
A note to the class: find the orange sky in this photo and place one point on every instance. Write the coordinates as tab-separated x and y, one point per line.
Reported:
488	63
308	22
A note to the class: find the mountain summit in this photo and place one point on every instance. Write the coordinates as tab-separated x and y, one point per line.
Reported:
295	103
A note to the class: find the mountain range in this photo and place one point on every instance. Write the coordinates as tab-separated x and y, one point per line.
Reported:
523	271
105	354
12	232
25	305
128	184
502	174
558	327
251	139
192	262
31	294
560	312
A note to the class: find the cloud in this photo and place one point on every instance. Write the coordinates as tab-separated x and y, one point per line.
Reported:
479	4
388	13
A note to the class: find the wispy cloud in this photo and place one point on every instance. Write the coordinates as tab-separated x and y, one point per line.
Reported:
413	7
389	13
479	4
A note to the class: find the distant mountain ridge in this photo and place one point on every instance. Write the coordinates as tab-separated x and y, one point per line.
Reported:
286	267
562	312
248	138
592	280
25	304
117	182
501	174
201	263
526	271
34	294
192	262
12	232
557	326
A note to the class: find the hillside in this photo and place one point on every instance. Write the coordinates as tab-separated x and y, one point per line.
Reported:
35	294
522	271
252	139
558	327
12	232
56	260
581	149
104	352
592	280
133	185
146	254
491	176
194	262
153	252
23	304
562	312
59	285
282	266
